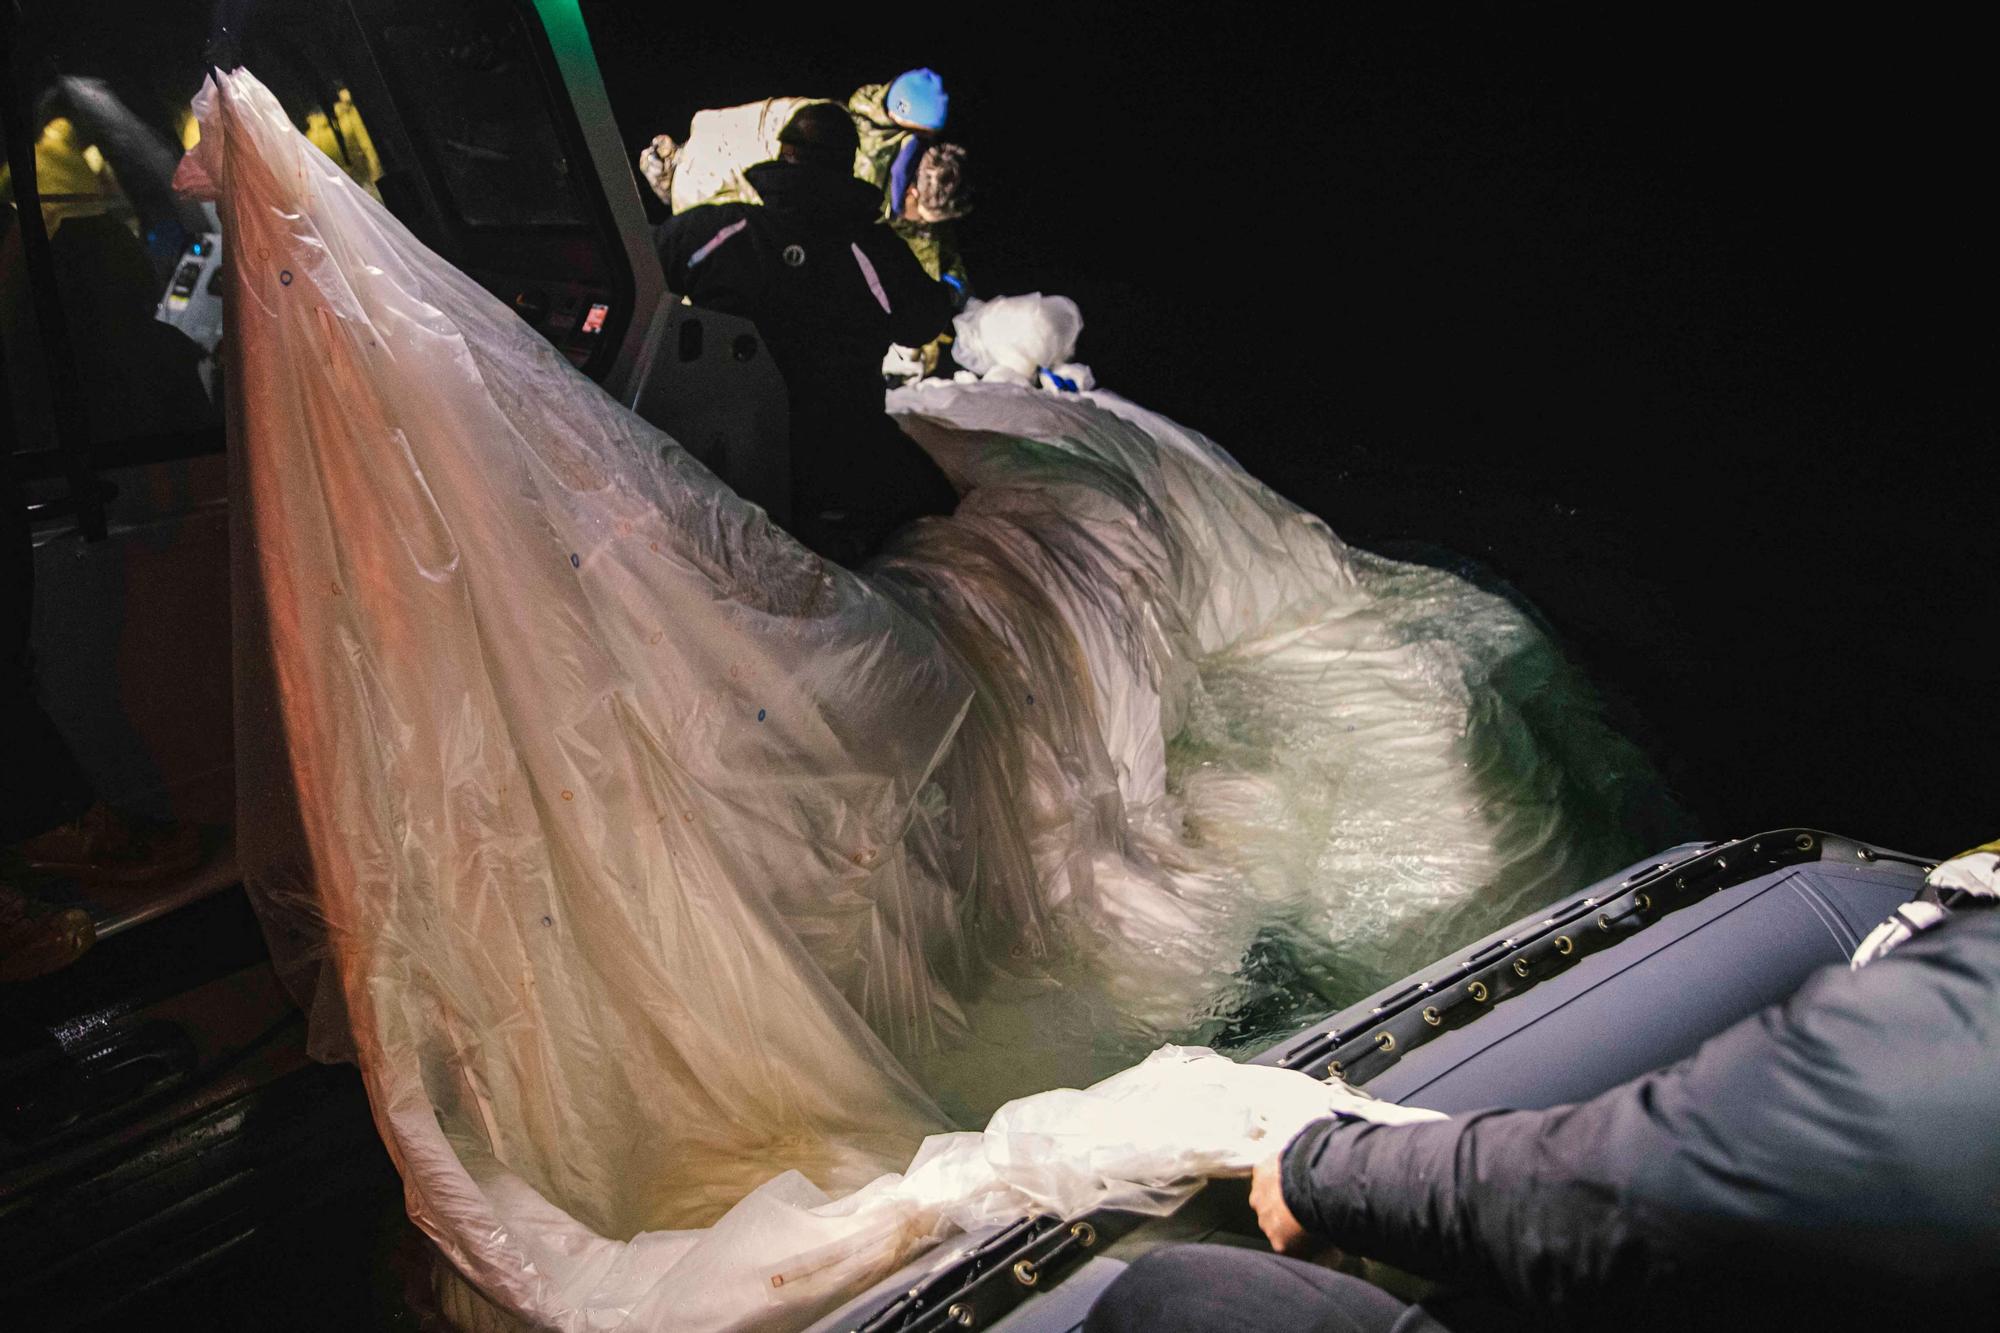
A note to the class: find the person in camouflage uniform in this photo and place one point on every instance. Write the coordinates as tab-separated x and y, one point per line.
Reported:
893	121
922	182
935	198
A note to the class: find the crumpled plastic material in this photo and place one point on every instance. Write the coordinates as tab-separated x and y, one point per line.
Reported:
1020	340
678	893
708	168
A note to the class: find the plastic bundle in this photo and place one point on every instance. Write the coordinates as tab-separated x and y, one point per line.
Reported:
1021	340
644	856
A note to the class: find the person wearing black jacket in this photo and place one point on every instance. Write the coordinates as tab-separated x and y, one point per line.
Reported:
1831	1162
830	289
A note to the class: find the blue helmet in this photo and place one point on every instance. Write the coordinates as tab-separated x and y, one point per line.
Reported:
917	100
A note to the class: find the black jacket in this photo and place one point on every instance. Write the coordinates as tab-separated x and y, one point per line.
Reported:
1832	1158
828	286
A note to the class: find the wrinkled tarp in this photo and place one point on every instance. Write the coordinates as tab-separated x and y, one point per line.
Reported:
708	168
668	874
1014	339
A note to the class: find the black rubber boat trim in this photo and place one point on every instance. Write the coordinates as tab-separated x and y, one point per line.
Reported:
990	1279
1502	969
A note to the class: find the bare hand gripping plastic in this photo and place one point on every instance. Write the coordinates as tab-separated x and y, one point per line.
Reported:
663	879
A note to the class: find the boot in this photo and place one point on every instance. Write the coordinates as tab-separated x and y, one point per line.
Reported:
104	846
36	940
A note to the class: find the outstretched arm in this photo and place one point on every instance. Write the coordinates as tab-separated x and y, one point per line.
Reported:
919	307
687	240
1838	1142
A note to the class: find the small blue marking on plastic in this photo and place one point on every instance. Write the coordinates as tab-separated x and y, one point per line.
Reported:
285	276
575	562
760	715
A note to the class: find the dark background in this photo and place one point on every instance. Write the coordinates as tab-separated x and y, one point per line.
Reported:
1682	327
1681	324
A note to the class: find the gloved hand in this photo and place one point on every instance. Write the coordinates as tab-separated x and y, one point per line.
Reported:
656	164
902	365
1964	881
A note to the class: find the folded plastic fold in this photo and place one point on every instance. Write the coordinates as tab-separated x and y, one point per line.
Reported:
668	879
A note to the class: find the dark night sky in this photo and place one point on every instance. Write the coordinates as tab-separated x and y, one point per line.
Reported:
1680	324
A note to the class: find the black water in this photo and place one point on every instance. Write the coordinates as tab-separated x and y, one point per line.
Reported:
1681	325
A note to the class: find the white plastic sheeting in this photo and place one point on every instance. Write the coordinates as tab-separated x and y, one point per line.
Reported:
651	855
1019	340
708	168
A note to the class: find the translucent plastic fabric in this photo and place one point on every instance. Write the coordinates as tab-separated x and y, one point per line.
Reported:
1287	772
678	891
1015	339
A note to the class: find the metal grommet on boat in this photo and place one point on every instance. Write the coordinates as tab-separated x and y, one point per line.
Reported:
1804	842
1333	1068
1086	1234
1565	945
1432	1016
1025	1274
1386	1040
1520	967
960	1314
1603	921
1477	990
1643	901
1865	853
1680	883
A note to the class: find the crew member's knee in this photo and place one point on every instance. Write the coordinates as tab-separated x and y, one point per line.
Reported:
1148	1295
1221	1289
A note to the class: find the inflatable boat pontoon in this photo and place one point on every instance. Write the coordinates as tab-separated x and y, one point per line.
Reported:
1633	973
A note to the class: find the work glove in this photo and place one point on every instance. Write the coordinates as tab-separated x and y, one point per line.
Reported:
656	164
1971	880
902	365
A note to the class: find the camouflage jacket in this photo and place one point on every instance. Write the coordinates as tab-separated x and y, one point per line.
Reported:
881	139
